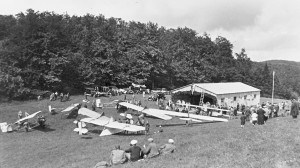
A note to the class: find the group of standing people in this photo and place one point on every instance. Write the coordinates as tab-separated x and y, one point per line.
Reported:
61	96
263	112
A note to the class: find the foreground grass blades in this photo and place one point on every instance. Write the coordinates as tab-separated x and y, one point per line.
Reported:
276	144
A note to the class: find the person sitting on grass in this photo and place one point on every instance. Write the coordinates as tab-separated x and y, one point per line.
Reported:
134	153
117	156
151	151
167	148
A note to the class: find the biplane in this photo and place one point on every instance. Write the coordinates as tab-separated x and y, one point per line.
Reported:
28	117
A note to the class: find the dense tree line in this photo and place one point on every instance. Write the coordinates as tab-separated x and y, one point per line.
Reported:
49	51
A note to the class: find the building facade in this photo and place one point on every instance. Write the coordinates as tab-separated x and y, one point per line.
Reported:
222	94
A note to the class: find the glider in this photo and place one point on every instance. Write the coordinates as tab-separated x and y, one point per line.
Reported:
148	111
214	113
28	117
110	126
70	108
166	115
190	119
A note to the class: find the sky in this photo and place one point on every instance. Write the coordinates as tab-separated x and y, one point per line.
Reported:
267	29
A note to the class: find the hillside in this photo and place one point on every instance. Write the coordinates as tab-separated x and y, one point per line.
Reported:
288	74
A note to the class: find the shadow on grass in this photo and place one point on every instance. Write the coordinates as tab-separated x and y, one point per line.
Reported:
46	129
83	137
95	131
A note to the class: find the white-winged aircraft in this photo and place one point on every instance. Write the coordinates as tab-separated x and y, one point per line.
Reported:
110	126
149	111
216	111
166	115
28	117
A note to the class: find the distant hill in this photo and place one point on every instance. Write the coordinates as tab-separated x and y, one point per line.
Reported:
287	72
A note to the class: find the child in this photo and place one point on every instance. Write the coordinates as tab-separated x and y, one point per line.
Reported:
254	118
243	120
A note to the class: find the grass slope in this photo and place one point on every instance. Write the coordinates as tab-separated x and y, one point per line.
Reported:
276	144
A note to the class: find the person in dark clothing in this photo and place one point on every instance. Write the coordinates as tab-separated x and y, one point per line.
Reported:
61	97
243	108
94	105
85	106
243	120
260	116
134	153
276	110
147	127
294	109
235	111
248	113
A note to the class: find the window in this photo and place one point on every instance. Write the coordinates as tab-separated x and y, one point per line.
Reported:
245	97
222	100
254	96
234	98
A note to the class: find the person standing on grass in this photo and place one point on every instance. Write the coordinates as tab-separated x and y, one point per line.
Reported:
248	113
243	120
294	109
260	116
94	105
254	118
147	127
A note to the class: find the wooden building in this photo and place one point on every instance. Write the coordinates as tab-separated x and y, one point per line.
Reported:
225	94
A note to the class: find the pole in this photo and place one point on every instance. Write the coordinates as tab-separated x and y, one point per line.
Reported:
273	87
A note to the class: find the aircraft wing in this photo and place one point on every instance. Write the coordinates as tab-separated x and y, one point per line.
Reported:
102	121
123	126
157	113
190	119
193	116
70	108
152	112
217	109
89	113
28	117
131	106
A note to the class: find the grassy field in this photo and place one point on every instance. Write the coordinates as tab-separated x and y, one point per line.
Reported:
276	144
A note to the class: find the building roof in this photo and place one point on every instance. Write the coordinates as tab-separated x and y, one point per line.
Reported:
218	88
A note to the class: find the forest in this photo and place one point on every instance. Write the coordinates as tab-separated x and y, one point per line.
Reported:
46	51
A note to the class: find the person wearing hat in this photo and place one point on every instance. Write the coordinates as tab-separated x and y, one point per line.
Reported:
117	156
151	151
167	148
134	153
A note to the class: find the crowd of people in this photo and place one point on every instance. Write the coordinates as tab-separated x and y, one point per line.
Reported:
136	153
62	97
261	113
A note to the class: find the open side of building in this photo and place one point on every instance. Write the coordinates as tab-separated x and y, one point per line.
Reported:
224	94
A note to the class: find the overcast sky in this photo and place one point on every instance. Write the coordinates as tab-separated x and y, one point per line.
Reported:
267	29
